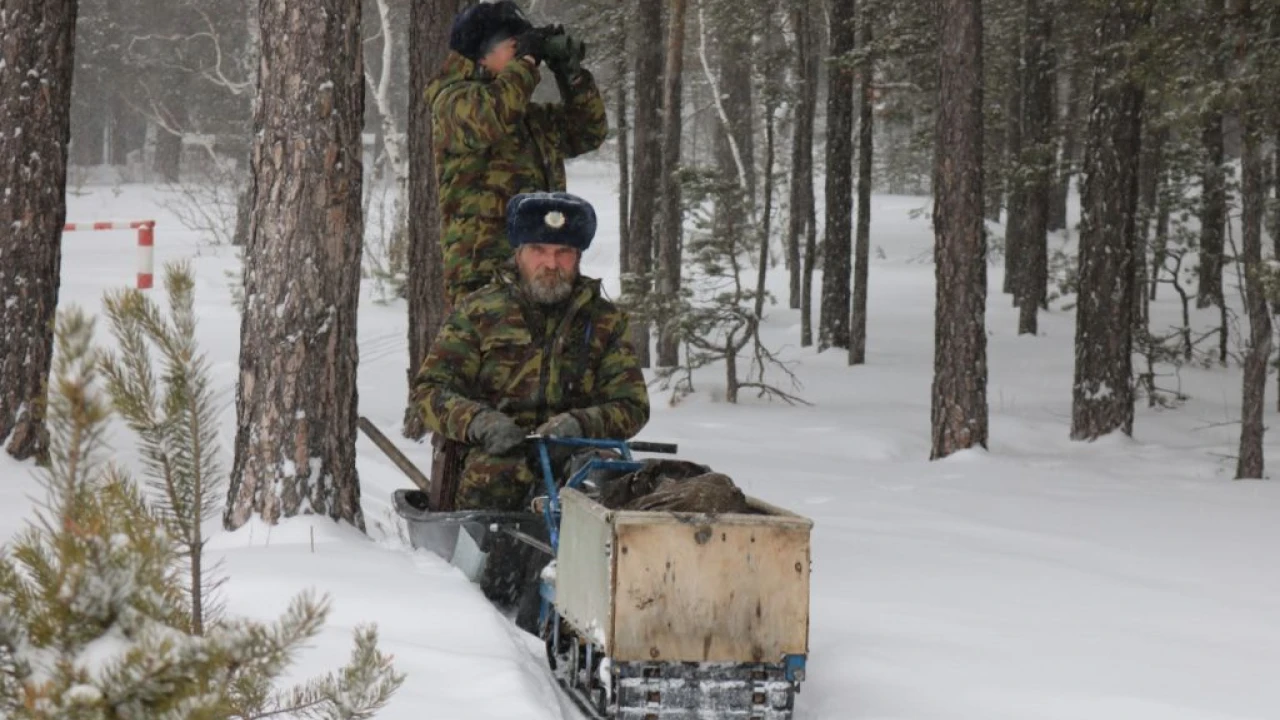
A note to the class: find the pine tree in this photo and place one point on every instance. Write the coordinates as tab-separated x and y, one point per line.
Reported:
1102	397
296	400
959	414
647	180
428	46
176	424
94	623
671	239
36	66
837	246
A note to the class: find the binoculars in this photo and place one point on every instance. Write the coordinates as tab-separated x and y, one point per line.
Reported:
563	51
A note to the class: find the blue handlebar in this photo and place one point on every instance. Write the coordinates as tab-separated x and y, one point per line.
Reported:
551	510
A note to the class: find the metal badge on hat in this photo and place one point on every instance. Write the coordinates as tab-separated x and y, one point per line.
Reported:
554	219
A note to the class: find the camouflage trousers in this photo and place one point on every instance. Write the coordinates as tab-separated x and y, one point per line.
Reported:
492	482
474	248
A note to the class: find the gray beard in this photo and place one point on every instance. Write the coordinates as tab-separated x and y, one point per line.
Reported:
547	291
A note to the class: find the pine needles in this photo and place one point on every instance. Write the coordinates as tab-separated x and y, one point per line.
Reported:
105	602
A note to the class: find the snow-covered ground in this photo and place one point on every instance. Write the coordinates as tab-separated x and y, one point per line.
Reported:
1126	579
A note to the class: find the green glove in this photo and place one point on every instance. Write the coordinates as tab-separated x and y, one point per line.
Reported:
495	432
562	425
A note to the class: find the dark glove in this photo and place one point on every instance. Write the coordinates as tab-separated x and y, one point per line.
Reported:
562	425
496	432
564	54
533	43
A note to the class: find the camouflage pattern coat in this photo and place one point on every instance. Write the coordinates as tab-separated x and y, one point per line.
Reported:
491	142
498	351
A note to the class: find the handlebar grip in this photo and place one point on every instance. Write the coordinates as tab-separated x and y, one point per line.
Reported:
653	447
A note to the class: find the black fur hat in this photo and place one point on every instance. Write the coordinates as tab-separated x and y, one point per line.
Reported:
476	29
550	218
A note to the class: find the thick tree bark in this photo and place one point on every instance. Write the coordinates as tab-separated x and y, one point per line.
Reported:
862	239
959	408
647	179
1038	162
671	241
1254	118
429	22
837	244
37	40
1253	203
1102	393
296	399
1213	202
801	195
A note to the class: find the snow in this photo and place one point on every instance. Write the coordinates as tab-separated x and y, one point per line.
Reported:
1124	579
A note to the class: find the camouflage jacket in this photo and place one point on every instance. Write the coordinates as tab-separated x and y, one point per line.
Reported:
499	351
490	142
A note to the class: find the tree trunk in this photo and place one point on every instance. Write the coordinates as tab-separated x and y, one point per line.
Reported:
1150	170
1014	183
252	51
1159	250
647	181
959	408
296	399
1275	184
1070	145
1038	163
1253	202
168	158
837	244
1213	203
810	261
993	183
862	241
733	36
801	144
37	41
731	132
766	221
670	242
624	158
1102	394
392	125
429	21
1250	463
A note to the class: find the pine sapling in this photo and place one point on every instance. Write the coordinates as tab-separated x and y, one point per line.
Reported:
95	596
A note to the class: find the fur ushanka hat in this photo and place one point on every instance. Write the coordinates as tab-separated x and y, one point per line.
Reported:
478	28
557	218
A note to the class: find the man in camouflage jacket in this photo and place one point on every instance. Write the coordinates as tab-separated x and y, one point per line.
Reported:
539	350
490	142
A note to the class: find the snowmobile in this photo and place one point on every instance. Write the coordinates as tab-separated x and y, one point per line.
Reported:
646	614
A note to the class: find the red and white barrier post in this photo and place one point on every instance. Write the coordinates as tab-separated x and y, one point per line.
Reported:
146	244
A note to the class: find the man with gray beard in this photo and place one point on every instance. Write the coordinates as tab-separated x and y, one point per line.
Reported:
539	349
